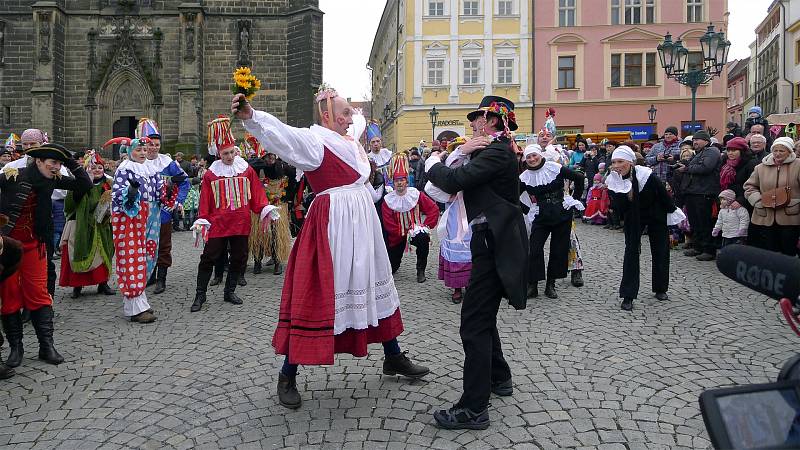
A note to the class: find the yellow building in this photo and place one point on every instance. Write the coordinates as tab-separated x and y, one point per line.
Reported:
451	53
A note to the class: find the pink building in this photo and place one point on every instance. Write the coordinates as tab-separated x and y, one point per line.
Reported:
596	63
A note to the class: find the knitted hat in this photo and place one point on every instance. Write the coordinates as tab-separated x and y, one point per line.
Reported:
220	136
784	141
598	178
147	128
755	109
737	143
728	195
673	130
624	152
533	148
35	135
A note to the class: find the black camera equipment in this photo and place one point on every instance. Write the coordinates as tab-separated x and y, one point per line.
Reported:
763	416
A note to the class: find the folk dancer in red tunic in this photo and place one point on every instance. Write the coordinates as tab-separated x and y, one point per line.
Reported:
229	192
408	218
26	201
338	294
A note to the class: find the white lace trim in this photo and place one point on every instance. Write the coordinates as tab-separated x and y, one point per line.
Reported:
141	169
223	170
382	157
402	203
135	305
541	176
620	185
570	202
160	163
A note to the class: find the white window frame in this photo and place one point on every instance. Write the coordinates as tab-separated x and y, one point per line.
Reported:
506	51
694	4
509	71
619	11
622	70
437	52
428	71
430	3
513	12
574	72
567	9
476	69
477	3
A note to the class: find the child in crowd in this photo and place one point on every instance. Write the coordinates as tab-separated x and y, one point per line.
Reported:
731	223
597	203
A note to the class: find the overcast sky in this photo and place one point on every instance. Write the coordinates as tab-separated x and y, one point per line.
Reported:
350	25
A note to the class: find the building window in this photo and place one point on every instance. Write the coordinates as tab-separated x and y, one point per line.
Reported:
635	12
435	8
566	13
471	69
436	72
566	72
471	7
695	61
694	11
633	72
650	69
796	52
505	8
505	71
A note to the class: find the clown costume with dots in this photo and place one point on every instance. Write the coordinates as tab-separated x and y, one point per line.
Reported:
136	186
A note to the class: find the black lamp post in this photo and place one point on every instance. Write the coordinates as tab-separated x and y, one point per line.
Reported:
674	58
651	114
434	116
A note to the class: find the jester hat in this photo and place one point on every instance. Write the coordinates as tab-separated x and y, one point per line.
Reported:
220	136
373	131
400	166
147	128
11	142
255	145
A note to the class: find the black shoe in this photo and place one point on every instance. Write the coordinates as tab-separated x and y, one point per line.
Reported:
161	280
76	292
399	364
241	280
706	257
288	395
278	269
257	269
577	278
105	289
200	294
42	320
662	296
230	288
692	252
550	289
12	326
421	276
627	304
216	281
462	419
503	388
533	290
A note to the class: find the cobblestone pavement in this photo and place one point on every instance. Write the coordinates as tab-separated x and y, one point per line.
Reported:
586	374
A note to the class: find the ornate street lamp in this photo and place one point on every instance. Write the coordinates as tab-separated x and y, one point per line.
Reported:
651	114
434	116
674	58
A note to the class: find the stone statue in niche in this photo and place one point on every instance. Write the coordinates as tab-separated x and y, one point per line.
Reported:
244	42
44	36
189	36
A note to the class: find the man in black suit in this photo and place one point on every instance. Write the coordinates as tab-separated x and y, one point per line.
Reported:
499	256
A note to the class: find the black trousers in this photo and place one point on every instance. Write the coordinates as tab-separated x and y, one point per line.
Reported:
422	242
698	209
658	234
775	238
51	267
559	251
483	354
216	247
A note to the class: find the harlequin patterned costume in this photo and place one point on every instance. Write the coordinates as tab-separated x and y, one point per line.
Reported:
134	243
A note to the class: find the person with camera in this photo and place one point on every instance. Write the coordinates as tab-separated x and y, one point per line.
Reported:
774	191
664	154
642	201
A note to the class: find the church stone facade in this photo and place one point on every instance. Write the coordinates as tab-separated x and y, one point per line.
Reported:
86	70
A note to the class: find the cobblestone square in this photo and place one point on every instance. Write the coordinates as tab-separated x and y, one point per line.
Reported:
586	374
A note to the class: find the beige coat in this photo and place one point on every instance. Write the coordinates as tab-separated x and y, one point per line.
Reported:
765	177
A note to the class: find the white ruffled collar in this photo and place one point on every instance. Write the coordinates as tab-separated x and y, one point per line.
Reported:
382	157
620	185
541	176
402	203
346	149
223	170
159	163
141	169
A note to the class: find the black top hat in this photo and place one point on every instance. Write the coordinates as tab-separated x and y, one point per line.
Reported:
488	105
50	151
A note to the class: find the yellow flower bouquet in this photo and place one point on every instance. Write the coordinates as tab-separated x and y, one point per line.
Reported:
244	82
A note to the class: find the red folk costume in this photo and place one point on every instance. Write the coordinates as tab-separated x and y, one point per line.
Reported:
228	194
406	215
338	294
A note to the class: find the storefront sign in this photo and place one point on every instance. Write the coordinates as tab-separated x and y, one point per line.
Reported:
638	132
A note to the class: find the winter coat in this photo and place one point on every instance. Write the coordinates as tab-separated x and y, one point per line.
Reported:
732	223
768	176
743	172
703	173
669	150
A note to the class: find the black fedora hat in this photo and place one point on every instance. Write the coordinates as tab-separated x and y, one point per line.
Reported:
50	151
488	105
